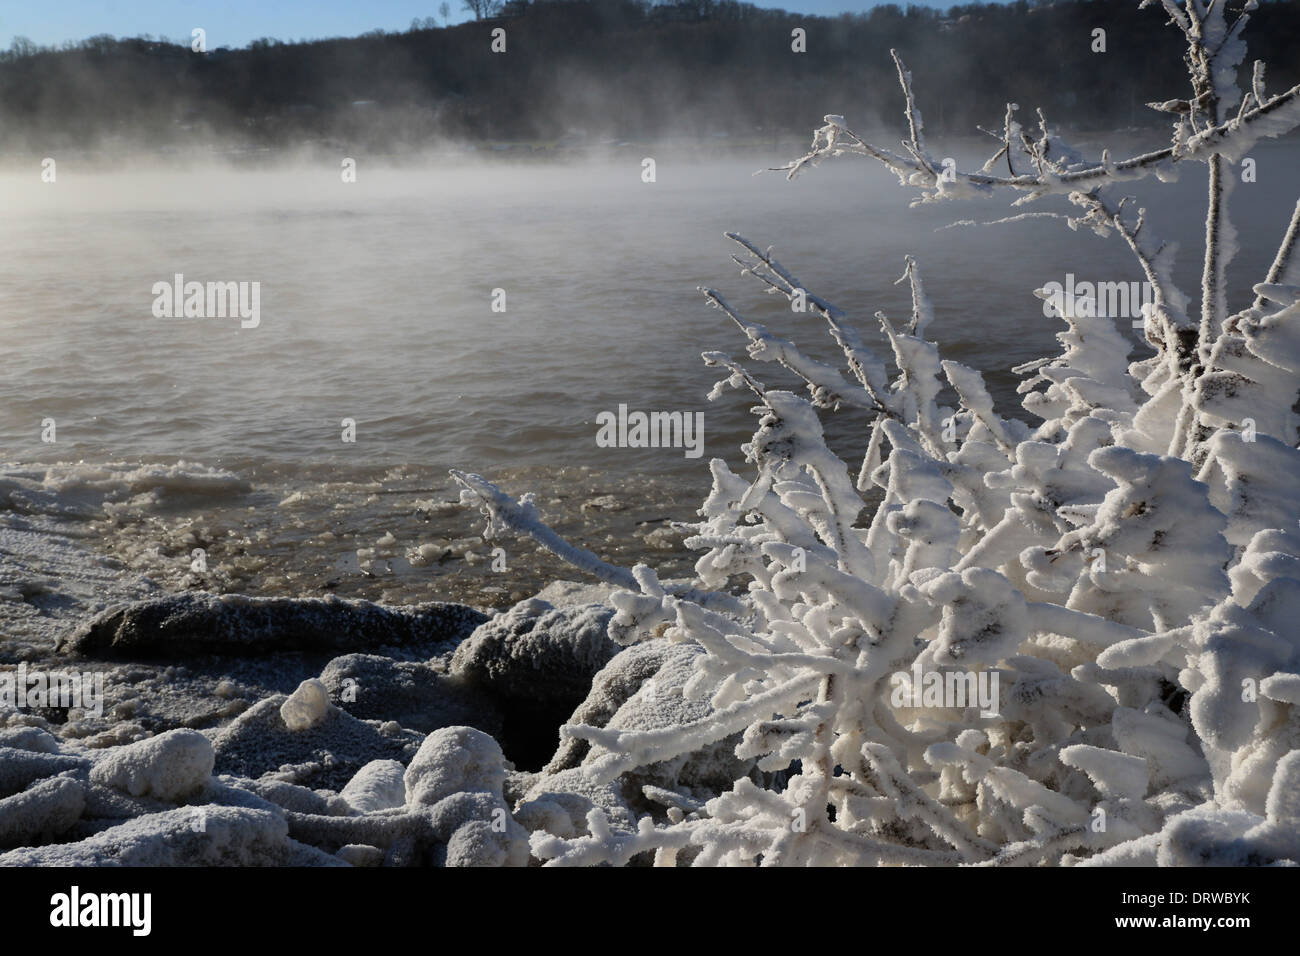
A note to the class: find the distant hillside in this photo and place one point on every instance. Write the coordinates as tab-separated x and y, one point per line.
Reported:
587	70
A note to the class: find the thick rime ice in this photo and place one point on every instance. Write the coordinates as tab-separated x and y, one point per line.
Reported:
379	785
453	760
1123	577
167	767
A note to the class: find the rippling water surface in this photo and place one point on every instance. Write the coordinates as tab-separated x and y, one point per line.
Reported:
376	306
375	300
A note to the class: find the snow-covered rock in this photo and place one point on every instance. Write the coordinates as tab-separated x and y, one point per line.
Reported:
536	652
326	755
454	760
413	693
196	623
460	772
171	766
44	810
220	836
379	785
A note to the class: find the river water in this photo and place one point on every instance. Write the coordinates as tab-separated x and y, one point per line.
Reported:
376	306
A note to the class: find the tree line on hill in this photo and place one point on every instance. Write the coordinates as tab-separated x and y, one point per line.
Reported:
586	71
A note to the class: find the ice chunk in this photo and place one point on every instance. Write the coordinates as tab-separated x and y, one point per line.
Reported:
307	706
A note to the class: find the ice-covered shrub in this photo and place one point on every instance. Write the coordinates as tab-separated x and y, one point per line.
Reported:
1121	578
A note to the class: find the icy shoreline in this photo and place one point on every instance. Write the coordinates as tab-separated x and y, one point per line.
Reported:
198	754
388	534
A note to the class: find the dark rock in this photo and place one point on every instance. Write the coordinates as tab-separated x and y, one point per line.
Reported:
414	694
538	652
324	756
197	623
536	662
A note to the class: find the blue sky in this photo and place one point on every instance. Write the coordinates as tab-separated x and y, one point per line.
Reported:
236	22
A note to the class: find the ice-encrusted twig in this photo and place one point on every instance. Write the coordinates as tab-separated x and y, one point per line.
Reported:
1284	269
1274	117
868	369
505	513
828	387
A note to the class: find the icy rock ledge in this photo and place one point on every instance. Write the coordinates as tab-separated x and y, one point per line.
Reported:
538	652
196	623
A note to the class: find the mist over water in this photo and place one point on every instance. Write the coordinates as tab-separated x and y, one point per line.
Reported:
376	300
